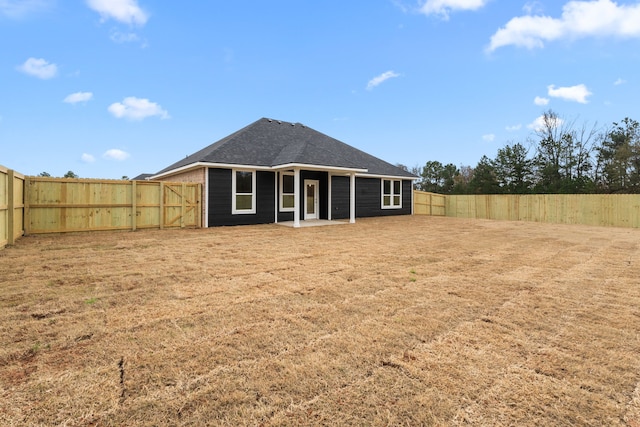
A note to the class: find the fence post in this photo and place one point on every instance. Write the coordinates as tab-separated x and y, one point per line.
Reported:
184	204
134	206
26	222
11	208
161	216
199	205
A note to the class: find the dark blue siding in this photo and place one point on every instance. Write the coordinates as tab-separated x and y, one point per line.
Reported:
340	197
369	194
368	198
220	195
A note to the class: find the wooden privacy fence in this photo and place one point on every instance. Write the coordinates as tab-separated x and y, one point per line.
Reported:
617	210
429	203
11	206
54	205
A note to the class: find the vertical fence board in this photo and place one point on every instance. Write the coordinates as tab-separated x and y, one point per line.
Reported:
161	213
11	206
4	207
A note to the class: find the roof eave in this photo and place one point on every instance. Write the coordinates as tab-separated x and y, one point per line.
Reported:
198	165
338	169
362	172
377	175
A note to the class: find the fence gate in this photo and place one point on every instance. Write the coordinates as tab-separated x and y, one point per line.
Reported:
180	205
425	203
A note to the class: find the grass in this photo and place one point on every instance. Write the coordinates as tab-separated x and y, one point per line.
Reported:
498	323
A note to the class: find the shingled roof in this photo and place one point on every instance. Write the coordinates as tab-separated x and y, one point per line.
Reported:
274	143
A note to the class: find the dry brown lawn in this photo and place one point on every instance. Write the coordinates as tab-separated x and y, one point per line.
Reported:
398	321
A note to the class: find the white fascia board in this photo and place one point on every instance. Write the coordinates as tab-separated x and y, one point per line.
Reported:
366	175
304	166
198	165
289	166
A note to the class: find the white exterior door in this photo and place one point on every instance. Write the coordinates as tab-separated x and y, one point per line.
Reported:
311	190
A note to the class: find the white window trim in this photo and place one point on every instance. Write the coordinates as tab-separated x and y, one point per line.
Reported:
282	194
391	195
235	211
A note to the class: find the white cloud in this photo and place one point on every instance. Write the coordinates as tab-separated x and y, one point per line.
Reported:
488	137
619	82
74	98
381	78
16	9
538	100
119	37
133	108
443	7
400	5
116	154
598	18
513	128
87	158
532	7
539	123
39	68
125	11
577	93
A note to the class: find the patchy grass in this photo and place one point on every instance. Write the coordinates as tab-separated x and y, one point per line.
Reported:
394	321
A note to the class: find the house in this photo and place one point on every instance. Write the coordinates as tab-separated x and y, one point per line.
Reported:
275	171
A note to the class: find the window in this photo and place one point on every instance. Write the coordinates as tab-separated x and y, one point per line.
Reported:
391	193
287	197
244	192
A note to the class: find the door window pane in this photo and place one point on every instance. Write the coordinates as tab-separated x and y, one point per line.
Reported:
310	198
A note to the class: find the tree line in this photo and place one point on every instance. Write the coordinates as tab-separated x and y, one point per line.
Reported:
560	157
71	174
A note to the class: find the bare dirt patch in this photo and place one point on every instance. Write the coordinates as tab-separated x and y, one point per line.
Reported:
394	321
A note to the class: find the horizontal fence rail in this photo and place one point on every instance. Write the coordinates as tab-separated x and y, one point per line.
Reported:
54	205
616	210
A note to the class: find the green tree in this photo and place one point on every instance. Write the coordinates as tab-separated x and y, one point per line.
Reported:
563	156
484	179
619	158
513	169
449	174
432	173
45	174
439	178
70	174
462	180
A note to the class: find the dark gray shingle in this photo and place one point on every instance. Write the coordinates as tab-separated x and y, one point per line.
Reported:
268	142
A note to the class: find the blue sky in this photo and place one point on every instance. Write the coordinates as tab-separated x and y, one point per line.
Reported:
108	88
